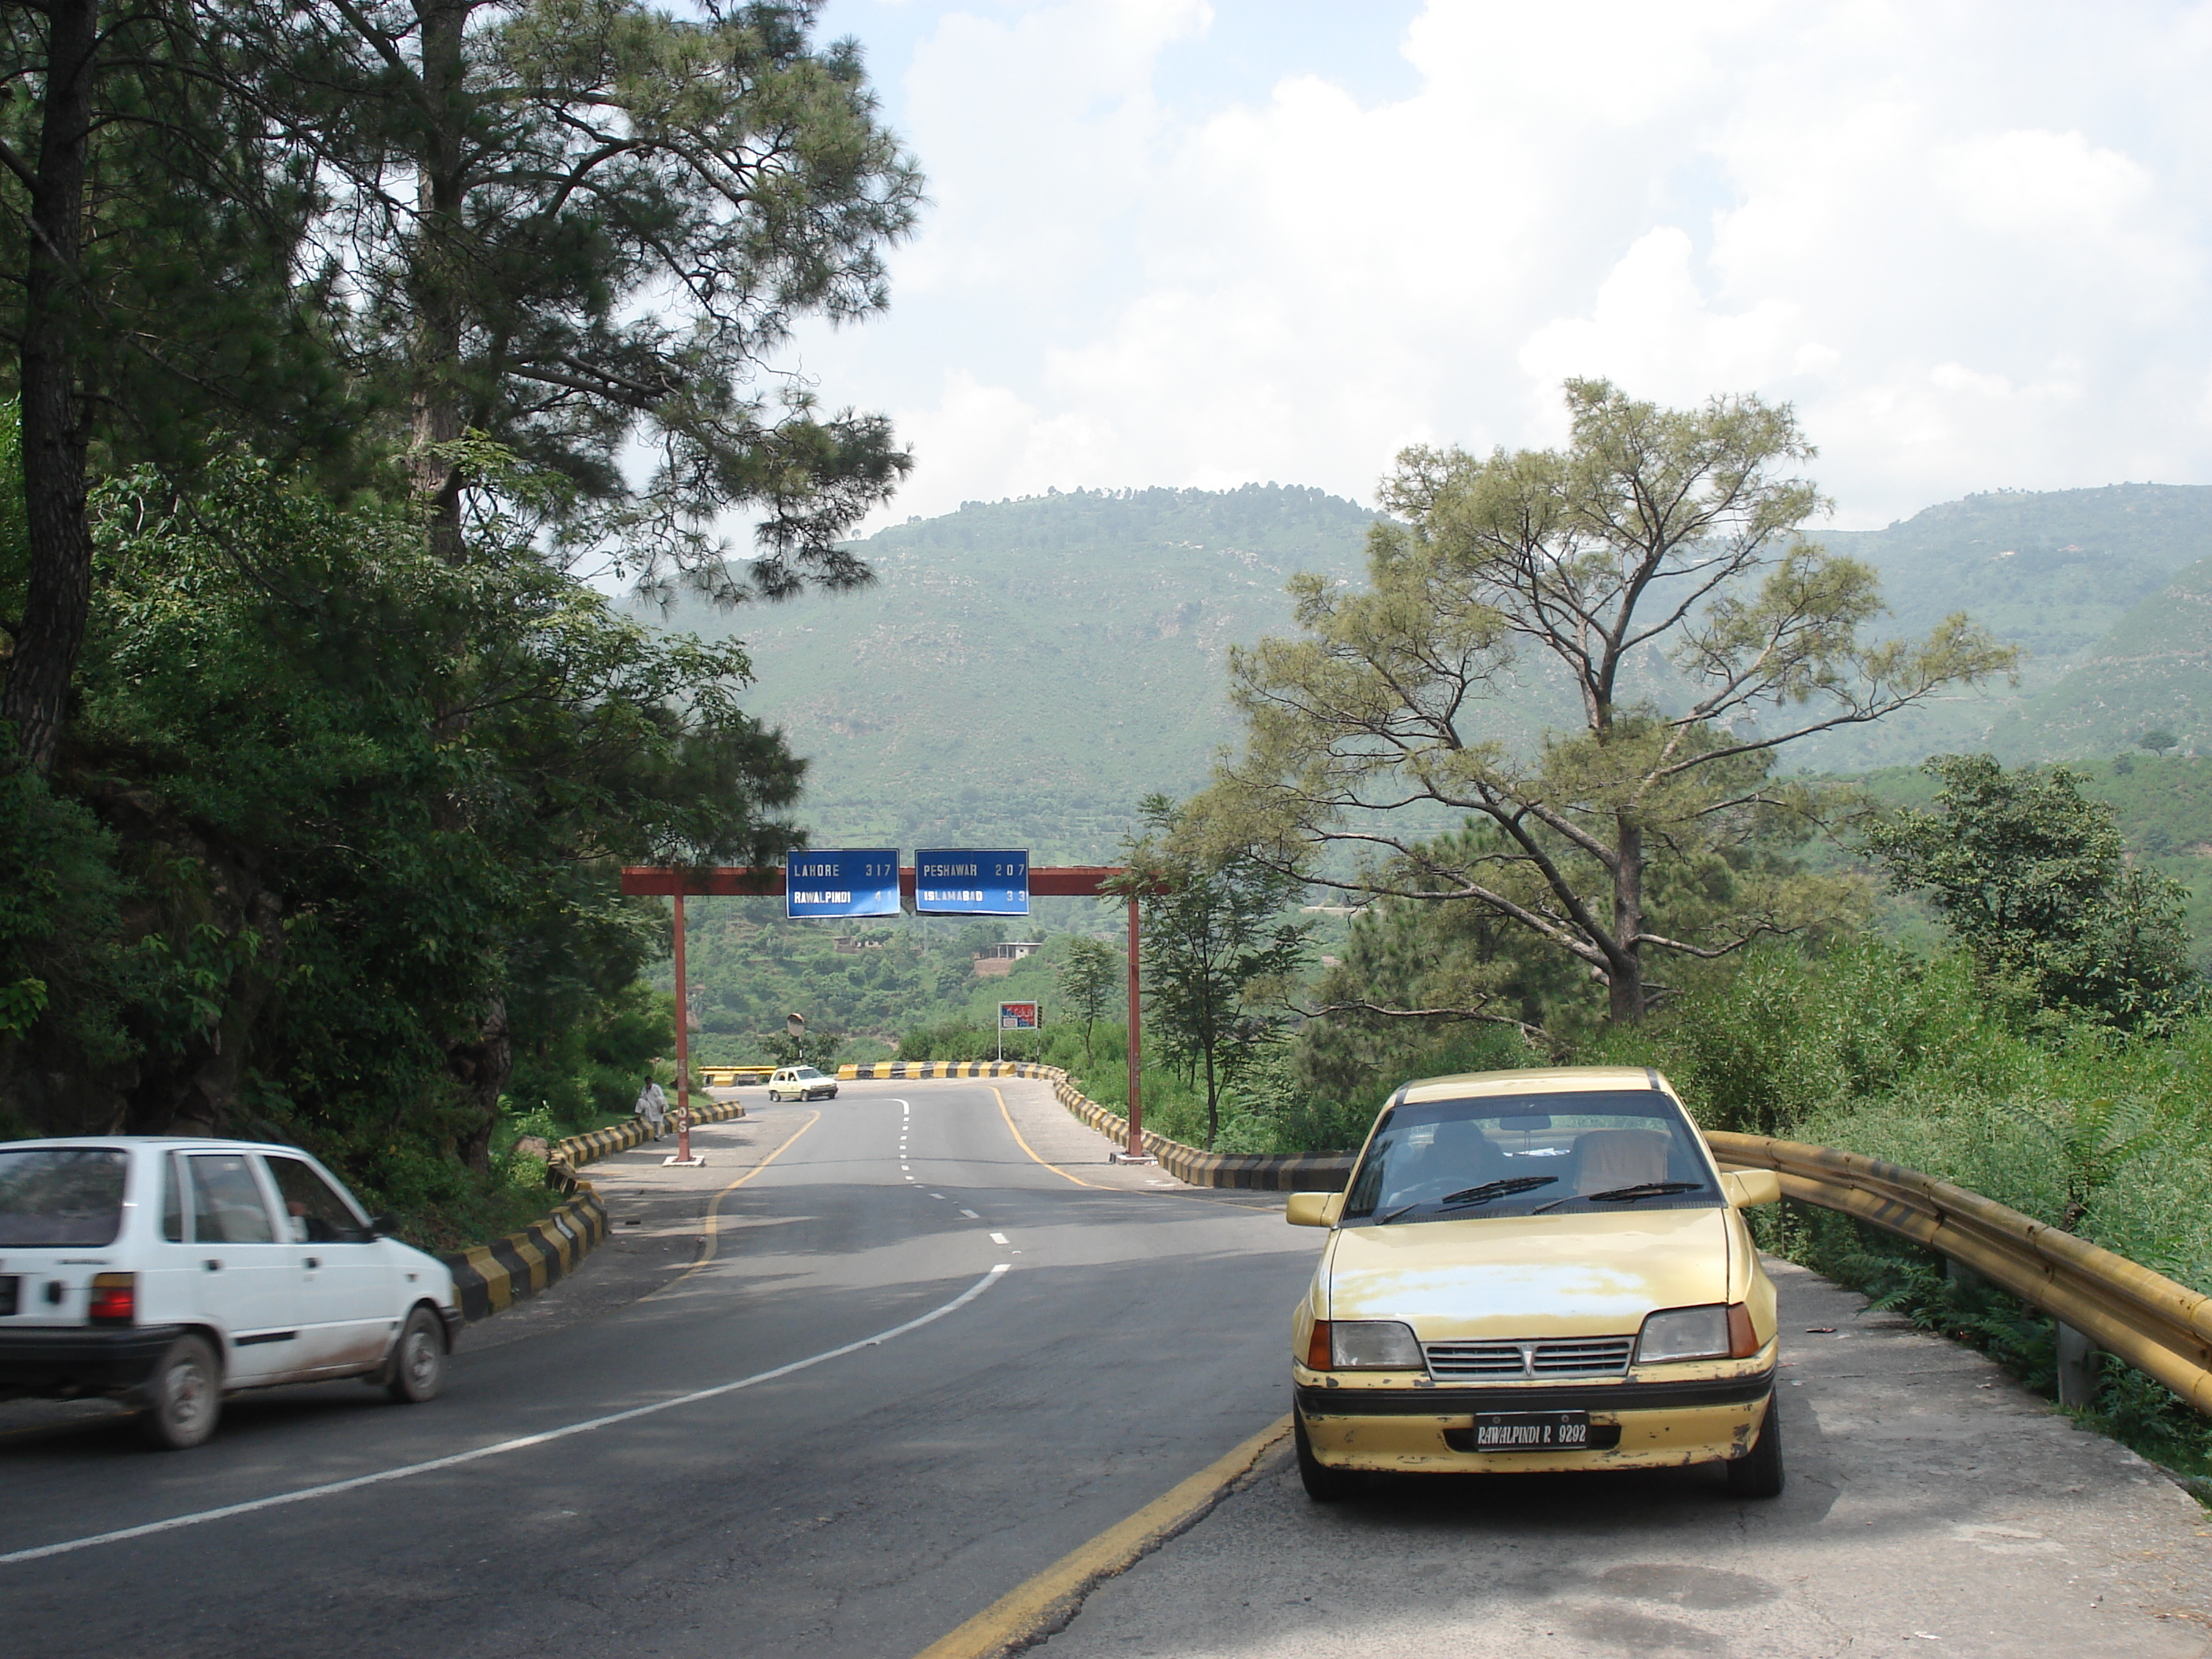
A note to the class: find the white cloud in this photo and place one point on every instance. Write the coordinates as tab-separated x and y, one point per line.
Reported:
1969	242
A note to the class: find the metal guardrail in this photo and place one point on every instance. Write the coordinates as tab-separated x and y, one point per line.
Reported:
2159	1327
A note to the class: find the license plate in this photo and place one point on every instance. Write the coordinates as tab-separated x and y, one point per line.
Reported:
1505	1431
8	1283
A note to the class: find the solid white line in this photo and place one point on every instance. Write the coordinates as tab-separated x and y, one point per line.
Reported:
528	1440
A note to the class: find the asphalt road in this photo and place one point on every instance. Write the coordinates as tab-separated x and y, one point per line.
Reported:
1089	1346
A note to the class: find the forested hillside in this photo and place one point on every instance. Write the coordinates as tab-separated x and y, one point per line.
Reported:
1028	669
331	336
1024	671
2055	573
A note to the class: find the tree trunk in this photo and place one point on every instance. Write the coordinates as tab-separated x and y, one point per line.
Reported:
435	279
484	1066
58	595
1212	1103
1624	960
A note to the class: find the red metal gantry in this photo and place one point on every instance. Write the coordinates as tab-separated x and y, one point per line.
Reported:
727	881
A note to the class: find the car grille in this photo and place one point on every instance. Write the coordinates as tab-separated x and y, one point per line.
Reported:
1596	1355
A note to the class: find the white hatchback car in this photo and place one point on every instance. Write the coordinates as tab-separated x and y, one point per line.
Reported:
170	1272
801	1083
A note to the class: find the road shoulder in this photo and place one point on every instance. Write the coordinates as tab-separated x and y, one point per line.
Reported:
1934	1507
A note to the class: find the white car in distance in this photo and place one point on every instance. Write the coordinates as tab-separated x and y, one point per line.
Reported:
801	1083
169	1272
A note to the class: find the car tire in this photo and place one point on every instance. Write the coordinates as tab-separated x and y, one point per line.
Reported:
1758	1473
416	1370
183	1396
1323	1484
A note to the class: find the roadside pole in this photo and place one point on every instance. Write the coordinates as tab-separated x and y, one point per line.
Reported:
683	1046
1136	1149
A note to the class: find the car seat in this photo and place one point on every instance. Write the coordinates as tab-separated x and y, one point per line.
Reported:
1607	1158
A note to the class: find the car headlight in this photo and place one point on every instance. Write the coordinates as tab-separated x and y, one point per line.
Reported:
1719	1330
1374	1344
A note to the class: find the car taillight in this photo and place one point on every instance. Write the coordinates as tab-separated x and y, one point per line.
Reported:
114	1299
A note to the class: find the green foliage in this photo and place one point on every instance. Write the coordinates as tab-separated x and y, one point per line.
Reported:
1089	975
2032	877
2157	739
586	1071
582	229
1217	954
325	798
1660	546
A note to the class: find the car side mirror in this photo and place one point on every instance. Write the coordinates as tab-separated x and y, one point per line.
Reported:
384	1226
1314	1209
1747	1189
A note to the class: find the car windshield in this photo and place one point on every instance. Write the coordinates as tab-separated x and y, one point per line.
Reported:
1436	1160
61	1195
807	1071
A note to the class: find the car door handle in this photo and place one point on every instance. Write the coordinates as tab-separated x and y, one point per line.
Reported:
314	1261
212	1264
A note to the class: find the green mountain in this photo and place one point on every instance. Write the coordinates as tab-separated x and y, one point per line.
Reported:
1022	673
2055	573
2152	670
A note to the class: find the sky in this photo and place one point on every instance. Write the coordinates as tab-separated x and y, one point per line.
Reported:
1175	242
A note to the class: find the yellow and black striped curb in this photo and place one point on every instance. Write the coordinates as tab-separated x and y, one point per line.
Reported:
729	1076
901	1071
491	1277
574	1151
1269	1172
495	1276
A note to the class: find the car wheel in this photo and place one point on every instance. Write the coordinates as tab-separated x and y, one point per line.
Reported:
418	1359
1758	1473
1323	1484
183	1396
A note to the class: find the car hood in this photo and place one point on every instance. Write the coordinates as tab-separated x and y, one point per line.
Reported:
1529	1276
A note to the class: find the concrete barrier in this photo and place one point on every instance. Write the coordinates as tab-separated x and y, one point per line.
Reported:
573	1152
493	1276
901	1071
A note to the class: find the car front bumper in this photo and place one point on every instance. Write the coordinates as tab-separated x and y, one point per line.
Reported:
1649	1425
80	1359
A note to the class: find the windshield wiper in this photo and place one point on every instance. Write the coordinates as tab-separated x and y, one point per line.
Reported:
1468	1197
1625	1195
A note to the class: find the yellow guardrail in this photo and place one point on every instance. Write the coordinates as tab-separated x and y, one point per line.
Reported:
729	1076
2159	1327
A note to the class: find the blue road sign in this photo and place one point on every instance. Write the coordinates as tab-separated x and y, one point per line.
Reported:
844	882
952	881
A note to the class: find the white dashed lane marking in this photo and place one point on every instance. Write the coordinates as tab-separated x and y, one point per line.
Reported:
998	1238
971	1215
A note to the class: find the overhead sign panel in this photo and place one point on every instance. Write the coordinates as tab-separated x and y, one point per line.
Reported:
845	881
953	881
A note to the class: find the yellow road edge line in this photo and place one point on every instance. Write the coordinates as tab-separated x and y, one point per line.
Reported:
713	1204
1032	1150
1048	1601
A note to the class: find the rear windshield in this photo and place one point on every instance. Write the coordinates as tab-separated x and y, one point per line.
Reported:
1501	1155
61	1195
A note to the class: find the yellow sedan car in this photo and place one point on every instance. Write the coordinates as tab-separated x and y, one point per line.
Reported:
1536	1270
